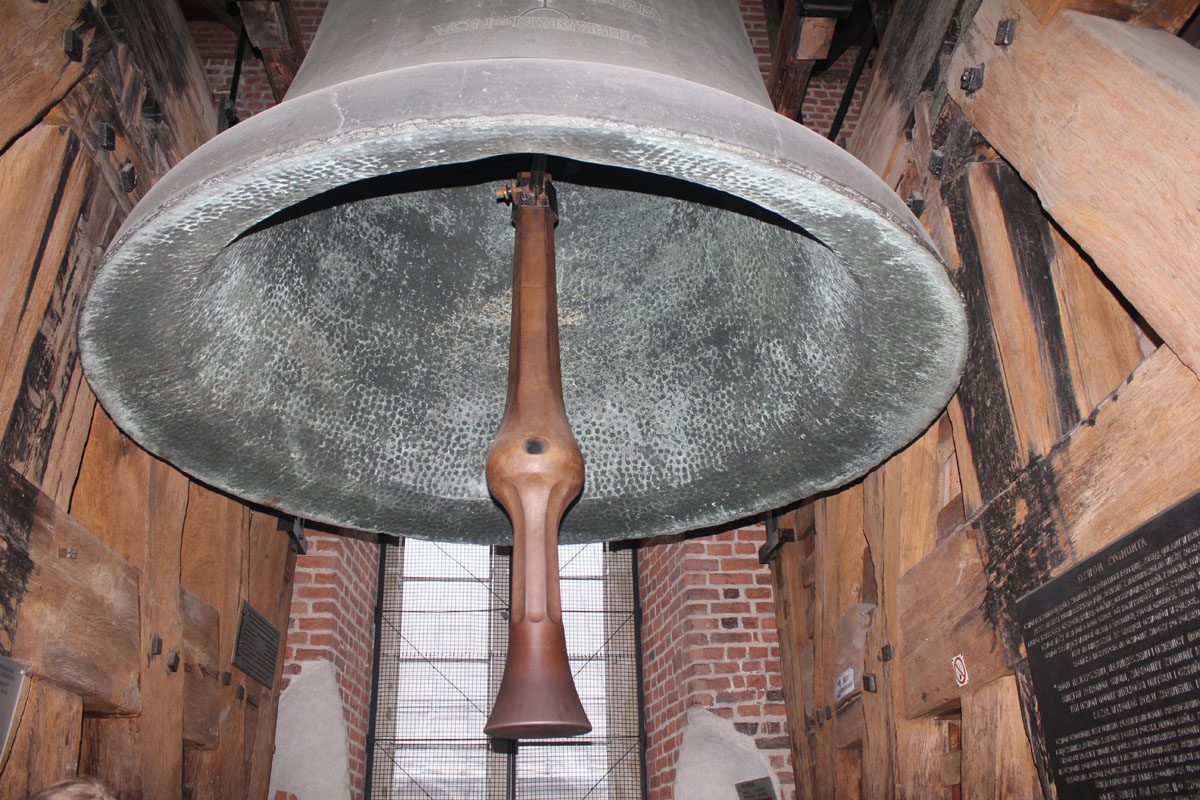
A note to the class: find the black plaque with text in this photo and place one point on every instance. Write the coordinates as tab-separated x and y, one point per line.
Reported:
1114	652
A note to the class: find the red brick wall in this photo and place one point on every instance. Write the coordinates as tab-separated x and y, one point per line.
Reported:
824	90
754	17
709	639
218	48
333	619
825	93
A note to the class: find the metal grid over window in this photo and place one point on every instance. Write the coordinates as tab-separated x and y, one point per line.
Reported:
443	635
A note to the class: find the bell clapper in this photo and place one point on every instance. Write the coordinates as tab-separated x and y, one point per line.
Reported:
535	470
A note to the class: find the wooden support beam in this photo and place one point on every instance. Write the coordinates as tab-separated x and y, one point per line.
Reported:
802	42
268	587
911	51
46	743
215	540
201	671
41	68
840	575
75	602
1170	15
996	762
940	612
1103	480
1113	170
1048	340
900	500
272	27
791	606
136	504
848	670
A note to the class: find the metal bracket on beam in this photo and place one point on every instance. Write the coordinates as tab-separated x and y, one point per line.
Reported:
776	538
295	532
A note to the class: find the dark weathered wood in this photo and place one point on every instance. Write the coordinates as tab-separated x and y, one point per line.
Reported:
273	28
982	398
44	183
802	42
912	57
81	208
156	41
51	367
1140	223
1015	251
1100	482
1170	15
46	742
77	620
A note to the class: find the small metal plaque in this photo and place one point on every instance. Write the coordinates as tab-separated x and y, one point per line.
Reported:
12	698
757	789
257	646
1114	652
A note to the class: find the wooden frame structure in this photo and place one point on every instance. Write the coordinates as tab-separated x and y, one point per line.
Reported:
1064	191
122	580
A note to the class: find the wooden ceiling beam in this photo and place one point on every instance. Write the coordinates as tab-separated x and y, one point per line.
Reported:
273	28
1100	119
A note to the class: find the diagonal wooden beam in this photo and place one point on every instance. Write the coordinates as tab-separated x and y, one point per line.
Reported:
1100	118
272	27
1170	15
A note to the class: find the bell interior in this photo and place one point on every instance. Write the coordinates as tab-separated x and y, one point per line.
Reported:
347	357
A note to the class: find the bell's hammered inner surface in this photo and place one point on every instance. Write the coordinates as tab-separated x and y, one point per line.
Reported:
311	311
347	358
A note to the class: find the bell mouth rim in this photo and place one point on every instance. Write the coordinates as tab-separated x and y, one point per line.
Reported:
220	187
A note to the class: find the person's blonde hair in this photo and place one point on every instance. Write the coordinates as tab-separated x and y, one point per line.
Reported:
75	789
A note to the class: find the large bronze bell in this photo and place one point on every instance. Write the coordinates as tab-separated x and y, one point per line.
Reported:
314	310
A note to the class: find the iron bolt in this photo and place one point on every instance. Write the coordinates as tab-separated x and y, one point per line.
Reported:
129	177
972	79
1004	32
72	44
937	163
106	136
916	203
